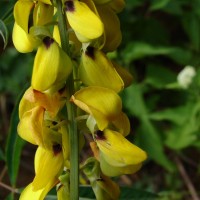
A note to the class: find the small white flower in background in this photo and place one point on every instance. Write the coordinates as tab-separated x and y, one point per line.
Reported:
185	76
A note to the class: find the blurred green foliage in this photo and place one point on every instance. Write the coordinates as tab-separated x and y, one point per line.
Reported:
160	38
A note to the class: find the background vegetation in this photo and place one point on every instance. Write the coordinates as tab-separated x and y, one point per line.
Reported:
160	38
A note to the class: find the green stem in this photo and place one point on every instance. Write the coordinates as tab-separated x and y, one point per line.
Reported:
72	128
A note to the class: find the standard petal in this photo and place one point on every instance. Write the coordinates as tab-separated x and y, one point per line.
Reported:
97	70
102	103
84	22
117	150
51	67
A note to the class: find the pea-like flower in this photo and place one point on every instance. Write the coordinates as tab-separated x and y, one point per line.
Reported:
51	67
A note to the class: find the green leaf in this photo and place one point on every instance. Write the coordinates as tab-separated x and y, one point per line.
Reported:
191	25
129	193
138	50
14	145
187	132
178	115
4	33
158	4
149	138
158	76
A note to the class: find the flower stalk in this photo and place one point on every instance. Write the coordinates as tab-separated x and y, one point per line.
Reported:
72	127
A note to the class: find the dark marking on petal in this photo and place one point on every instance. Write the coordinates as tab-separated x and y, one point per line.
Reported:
57	148
48	41
54	123
69	6
99	135
90	52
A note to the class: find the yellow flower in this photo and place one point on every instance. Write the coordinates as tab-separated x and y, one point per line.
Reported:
34	107
97	70
42	14
86	24
117	155
102	103
51	67
48	166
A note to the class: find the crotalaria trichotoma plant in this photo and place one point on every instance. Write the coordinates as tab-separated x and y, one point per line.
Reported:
74	91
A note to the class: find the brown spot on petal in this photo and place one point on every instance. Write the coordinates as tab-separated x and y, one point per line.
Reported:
90	52
69	6
99	135
48	41
57	149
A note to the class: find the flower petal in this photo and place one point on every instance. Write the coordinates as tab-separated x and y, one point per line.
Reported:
30	194
48	166
84	22
51	67
22	11
97	70
117	150
22	41
102	103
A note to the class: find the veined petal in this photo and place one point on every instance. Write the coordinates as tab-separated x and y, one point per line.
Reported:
112	30
22	41
97	70
102	103
30	194
84	22
117	150
51	67
48	166
22	12
42	14
30	125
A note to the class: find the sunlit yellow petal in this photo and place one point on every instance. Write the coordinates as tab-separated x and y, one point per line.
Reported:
97	70
104	104
48	166
29	194
84	22
51	66
22	41
117	150
22	11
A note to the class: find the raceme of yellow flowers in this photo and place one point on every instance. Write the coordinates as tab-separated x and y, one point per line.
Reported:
93	30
